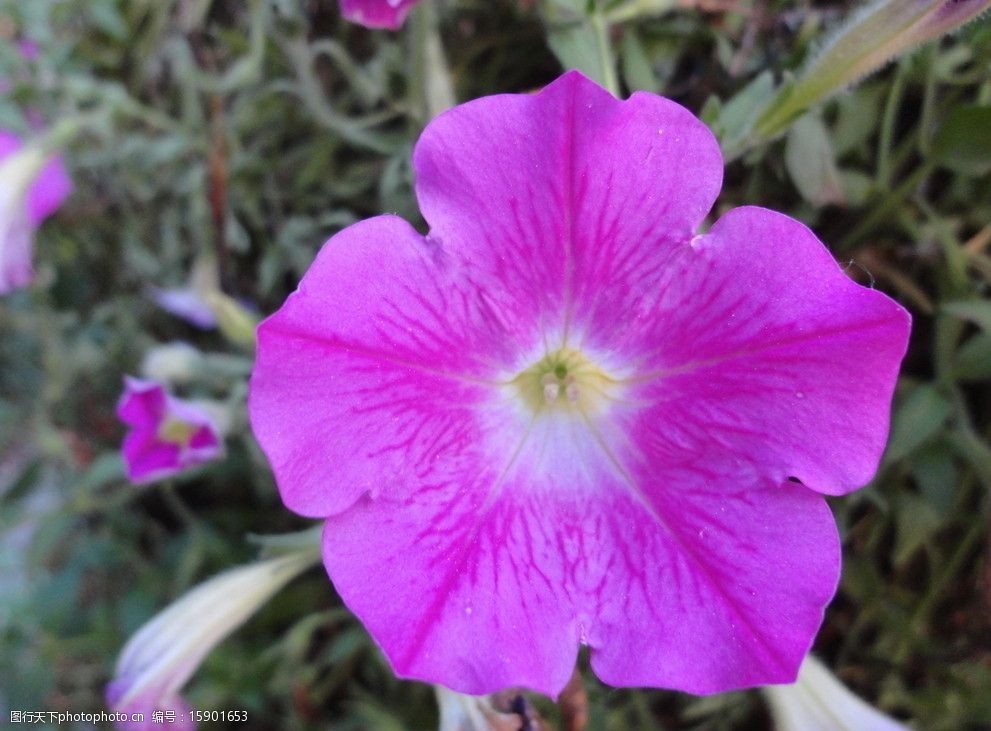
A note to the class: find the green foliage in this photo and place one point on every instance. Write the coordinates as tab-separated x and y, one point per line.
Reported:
253	131
963	142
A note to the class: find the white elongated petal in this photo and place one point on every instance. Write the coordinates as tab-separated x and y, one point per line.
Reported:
818	701
166	651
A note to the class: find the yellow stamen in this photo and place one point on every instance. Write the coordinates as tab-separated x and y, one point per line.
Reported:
566	380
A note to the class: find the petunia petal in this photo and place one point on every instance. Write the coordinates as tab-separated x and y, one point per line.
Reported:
149	459
377	13
372	369
706	589
456	591
553	197
204	440
143	403
49	190
9	143
144	706
16	239
492	578
773	380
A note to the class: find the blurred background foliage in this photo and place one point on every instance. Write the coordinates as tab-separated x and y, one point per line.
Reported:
252	131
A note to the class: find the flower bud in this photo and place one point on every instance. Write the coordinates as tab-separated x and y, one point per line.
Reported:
159	659
31	188
176	362
875	35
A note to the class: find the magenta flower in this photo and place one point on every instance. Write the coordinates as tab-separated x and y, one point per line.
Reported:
32	187
29	50
377	13
564	418
167	434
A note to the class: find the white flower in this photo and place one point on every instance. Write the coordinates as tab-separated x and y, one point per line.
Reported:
818	701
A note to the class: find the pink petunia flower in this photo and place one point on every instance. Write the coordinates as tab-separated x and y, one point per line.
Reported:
167	434
377	13
563	417
32	187
29	49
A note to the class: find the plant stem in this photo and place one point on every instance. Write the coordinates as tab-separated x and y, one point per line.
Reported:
888	119
607	60
430	77
882	209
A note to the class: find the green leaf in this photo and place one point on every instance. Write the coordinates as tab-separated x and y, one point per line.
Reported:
917	420
857	118
576	48
975	311
963	142
105	15
106	468
811	163
934	470
915	522
637	71
972	362
574	7
738	115
711	110
624	12
857	186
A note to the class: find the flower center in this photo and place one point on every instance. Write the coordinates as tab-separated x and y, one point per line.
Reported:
564	380
176	431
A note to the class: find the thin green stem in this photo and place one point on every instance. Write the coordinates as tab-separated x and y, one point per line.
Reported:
430	79
890	116
607	59
884	208
927	119
949	571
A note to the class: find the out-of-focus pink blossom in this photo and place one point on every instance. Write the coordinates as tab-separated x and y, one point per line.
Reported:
377	13
32	187
167	434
